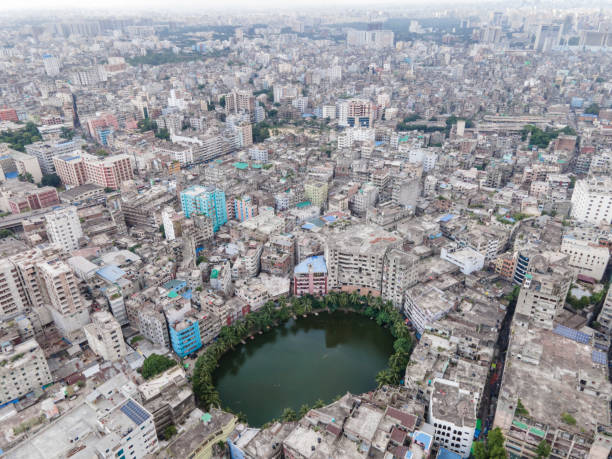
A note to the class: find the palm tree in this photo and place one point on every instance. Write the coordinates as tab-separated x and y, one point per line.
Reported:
385	376
343	300
354	297
307	304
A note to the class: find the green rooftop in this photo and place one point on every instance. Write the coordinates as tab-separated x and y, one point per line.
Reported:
536	431
172	294
241	166
520	424
302	204
214	274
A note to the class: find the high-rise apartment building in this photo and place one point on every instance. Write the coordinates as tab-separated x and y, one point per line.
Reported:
205	200
244	208
592	200
543	295
239	101
13	298
78	169
104	336
52	65
67	307
172	223
370	38
399	273
355	259
64	228
45	152
23	368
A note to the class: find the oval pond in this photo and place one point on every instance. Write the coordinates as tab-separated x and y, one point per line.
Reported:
299	362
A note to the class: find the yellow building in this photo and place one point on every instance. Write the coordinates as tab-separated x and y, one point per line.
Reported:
316	192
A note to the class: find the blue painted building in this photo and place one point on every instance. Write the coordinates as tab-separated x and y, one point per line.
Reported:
185	337
205	200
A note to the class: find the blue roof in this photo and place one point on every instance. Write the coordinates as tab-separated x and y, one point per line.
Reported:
443	453
317	262
378	143
307	226
599	357
175	283
186	294
110	273
572	334
11	175
424	438
330	218
135	412
447	217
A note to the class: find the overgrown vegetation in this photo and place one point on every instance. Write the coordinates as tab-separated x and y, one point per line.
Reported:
592	109
261	131
169	432
585	301
272	314
161	58
51	180
543	450
520	409
492	448
19	138
540	138
568	419
156	364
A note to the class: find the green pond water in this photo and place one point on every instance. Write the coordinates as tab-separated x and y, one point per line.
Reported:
299	362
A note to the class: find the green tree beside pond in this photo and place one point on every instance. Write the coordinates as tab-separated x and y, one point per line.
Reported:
272	314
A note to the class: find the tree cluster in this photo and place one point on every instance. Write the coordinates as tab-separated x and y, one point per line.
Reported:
18	139
261	131
272	314
541	138
155	364
493	448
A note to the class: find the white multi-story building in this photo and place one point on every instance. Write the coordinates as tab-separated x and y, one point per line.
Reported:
104	336
258	154
108	424
592	200
370	38
365	198
586	258
172	223
328	111
23	368
543	294
452	412
424	304
64	228
52	65
468	259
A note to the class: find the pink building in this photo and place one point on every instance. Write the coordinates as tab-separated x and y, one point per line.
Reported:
108	172
310	277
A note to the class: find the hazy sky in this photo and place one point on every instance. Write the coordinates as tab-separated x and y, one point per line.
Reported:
195	4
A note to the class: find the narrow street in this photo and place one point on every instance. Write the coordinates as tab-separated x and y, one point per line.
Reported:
487	407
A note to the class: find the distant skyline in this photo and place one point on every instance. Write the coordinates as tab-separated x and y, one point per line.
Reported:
200	5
